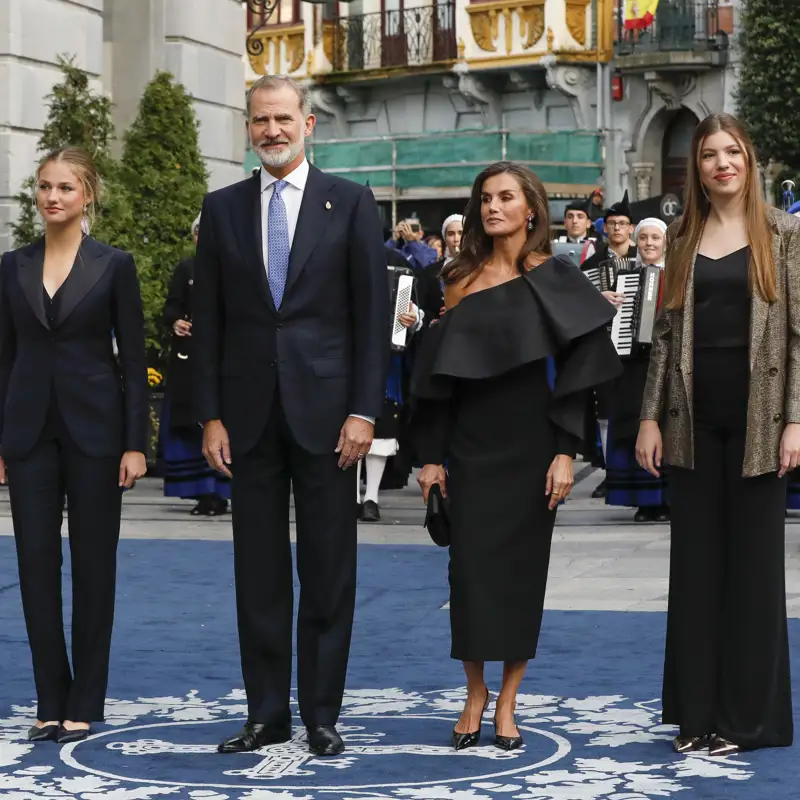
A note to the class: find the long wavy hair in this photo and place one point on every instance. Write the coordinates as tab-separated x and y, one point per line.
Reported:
476	244
697	207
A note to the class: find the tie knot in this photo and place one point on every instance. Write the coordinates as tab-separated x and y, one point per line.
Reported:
279	186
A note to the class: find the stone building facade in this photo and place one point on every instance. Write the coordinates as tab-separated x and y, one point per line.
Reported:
120	43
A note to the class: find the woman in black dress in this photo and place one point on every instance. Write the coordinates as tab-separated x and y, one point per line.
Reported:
484	407
724	380
73	420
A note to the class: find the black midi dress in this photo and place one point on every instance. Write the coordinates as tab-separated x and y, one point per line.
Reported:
483	406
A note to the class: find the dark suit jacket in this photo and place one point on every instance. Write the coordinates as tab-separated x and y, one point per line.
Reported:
103	402
326	348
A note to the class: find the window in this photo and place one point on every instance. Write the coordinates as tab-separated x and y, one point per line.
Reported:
286	12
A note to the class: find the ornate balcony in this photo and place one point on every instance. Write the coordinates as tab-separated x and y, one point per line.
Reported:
398	38
684	33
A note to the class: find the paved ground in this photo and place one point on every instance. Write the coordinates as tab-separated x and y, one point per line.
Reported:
601	560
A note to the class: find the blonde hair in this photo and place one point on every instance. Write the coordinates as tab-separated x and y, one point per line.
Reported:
690	227
84	167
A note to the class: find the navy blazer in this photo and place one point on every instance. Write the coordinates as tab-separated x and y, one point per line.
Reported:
102	400
326	349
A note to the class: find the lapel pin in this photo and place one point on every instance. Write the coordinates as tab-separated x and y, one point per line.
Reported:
328	205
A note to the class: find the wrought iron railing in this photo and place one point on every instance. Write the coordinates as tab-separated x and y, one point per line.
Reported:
678	25
404	37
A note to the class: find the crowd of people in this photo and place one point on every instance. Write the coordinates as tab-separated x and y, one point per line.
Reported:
280	352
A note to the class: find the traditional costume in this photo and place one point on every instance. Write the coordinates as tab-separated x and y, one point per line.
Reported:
627	484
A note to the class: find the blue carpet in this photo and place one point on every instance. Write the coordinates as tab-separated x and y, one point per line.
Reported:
589	709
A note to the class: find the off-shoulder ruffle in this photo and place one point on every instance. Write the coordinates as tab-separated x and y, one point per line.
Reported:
553	310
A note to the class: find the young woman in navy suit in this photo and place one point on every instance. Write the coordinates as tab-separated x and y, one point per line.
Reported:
73	421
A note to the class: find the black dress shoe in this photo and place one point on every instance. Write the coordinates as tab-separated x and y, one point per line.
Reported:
600	491
645	514
253	736
662	514
370	512
47	733
65	736
323	740
461	741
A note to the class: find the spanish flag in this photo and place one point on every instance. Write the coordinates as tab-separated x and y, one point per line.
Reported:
639	13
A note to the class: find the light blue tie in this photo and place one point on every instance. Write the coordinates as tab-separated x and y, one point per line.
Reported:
278	246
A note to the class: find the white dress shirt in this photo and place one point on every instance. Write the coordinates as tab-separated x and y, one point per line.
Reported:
292	195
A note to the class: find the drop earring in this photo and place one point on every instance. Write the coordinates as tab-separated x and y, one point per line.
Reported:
530	222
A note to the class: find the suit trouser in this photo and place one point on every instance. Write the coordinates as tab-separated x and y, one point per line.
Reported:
727	659
326	566
37	485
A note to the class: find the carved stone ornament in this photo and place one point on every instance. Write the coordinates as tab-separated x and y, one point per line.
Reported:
576	20
577	84
643	175
295	50
484	21
671	88
531	24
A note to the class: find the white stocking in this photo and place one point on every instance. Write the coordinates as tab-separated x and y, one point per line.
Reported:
375	467
603	423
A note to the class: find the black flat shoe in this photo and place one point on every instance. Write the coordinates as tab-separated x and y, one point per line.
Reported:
723	747
645	515
507	742
323	740
600	491
65	736
370	512
47	733
461	741
253	736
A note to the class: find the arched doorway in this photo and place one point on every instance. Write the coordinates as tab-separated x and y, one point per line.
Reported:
675	150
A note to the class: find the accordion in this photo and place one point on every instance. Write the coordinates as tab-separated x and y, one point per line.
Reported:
632	327
401	288
604	275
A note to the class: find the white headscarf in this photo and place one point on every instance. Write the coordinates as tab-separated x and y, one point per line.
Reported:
650	222
196	225
447	223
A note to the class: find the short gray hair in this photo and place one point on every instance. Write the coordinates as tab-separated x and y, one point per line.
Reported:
276	82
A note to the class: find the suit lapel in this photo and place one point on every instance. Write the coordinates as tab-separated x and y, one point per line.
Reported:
31	268
248	222
90	264
759	308
316	211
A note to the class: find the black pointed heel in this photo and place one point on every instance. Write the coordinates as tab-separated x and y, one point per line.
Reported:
507	743
66	736
461	741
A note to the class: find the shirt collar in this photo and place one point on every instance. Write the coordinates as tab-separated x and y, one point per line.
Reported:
297	177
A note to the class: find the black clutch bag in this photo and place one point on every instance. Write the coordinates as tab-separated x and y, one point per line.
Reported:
437	518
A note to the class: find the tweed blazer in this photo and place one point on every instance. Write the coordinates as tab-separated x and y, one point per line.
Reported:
774	394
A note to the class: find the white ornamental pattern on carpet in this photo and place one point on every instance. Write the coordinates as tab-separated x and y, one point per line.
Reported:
579	744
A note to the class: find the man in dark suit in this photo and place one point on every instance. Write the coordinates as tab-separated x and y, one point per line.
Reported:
291	319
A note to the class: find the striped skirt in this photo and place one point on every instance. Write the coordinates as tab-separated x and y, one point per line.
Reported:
627	484
186	472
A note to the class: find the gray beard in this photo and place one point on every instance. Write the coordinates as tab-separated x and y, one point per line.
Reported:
269	159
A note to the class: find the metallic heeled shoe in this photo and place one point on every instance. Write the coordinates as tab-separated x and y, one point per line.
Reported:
461	741
507	742
723	747
690	744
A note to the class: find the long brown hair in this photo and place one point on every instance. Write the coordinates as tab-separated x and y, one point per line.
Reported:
690	227
84	167
476	244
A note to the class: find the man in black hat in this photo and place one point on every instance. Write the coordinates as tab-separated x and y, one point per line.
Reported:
577	221
618	225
